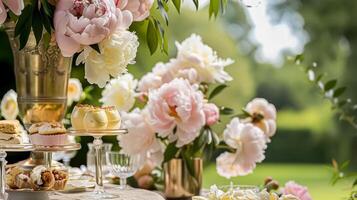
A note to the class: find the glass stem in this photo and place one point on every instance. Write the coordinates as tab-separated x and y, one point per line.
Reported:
3	194
122	183
48	159
98	165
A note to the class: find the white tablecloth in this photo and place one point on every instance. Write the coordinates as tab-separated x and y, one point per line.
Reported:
129	194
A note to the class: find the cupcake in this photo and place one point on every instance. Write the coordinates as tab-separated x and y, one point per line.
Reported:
78	114
48	134
42	178
113	116
95	119
61	178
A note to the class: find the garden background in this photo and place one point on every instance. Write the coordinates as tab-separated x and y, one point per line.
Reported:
309	135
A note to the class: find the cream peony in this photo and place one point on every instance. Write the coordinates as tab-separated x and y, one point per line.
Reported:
74	91
199	61
176	104
250	146
120	92
263	115
117	52
140	9
16	6
9	106
141	138
88	22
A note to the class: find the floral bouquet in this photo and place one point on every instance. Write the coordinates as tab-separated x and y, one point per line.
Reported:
177	115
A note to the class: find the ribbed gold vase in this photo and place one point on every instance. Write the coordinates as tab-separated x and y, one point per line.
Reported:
179	182
42	75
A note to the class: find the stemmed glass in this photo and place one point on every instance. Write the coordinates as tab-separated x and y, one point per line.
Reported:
122	165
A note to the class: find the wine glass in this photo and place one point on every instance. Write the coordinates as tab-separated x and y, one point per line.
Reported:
122	165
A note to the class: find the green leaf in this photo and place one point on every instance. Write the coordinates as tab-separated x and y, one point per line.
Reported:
46	21
226	111
189	164
24	18
95	47
47	7
46	40
216	91
213	8
215	138
330	84
299	58
196	4
162	8
339	91
170	152
37	27
152	37
177	4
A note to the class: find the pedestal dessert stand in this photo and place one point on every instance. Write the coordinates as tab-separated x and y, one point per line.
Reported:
9	148
99	192
24	194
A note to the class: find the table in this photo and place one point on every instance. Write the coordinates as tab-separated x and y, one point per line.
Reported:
129	194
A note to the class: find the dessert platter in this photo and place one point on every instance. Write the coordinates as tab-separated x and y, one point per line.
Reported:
43	176
96	122
22	181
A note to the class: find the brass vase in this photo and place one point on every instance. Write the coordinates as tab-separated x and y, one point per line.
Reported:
42	75
179	183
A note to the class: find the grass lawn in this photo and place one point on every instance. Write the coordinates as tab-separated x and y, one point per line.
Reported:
315	176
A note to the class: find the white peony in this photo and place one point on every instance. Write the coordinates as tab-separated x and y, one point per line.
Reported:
74	91
208	67
120	92
117	51
263	116
249	142
154	79
9	106
141	138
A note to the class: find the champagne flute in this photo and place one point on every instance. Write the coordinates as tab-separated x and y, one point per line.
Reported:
123	165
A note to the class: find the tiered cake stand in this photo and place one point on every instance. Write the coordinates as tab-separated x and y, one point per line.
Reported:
9	148
24	194
99	192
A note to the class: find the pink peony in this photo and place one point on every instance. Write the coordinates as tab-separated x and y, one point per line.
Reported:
140	9
153	79
297	190
211	113
15	6
177	104
263	115
141	138
250	146
88	22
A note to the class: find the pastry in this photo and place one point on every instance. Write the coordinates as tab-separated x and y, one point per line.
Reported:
78	114
42	178
10	126
45	133
11	132
61	178
11	175
113	116
23	181
95	119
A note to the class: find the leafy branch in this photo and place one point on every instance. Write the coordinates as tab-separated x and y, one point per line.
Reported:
343	106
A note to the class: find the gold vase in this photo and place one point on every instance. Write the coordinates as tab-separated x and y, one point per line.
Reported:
42	75
179	183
